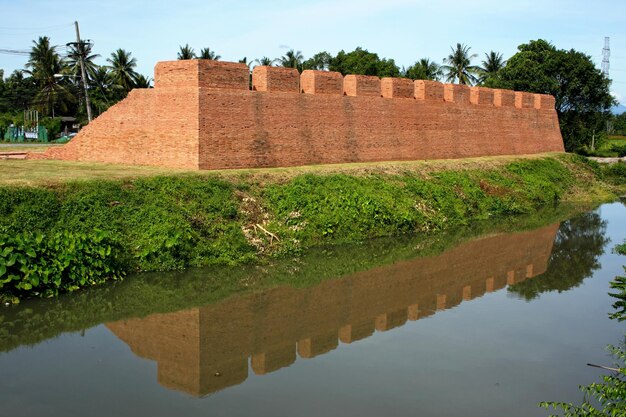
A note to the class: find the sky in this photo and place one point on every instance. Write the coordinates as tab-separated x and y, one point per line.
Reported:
405	30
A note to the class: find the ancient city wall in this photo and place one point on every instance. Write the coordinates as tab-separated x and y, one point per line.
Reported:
204	115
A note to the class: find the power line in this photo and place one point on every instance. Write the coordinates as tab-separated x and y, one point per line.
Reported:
14	52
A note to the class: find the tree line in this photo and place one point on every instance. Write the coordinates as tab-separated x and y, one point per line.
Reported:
51	83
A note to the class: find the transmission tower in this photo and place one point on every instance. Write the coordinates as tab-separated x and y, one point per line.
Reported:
606	53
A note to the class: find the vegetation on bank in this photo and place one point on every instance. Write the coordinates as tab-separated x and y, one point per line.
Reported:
195	220
35	320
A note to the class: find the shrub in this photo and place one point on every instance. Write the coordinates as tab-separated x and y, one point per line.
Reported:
44	265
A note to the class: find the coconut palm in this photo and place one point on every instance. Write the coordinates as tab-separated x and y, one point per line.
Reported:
292	59
493	63
142	81
186	52
206	53
424	69
73	60
264	61
47	69
122	67
458	65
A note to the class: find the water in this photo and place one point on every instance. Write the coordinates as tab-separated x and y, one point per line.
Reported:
473	323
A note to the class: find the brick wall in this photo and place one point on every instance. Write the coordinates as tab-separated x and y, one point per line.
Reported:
203	115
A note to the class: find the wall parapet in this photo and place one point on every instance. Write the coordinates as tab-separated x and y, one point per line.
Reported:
235	76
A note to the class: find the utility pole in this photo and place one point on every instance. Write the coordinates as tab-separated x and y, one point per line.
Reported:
81	54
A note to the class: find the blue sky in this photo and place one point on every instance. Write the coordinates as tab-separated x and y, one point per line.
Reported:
404	30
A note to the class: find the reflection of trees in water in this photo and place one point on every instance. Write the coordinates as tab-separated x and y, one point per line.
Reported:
577	246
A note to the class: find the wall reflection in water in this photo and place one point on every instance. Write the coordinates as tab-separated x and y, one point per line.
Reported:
206	349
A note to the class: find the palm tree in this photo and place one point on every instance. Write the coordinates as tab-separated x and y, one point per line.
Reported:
47	69
264	61
206	53
424	69
142	81
122	68
186	52
458	65
493	63
292	59
73	60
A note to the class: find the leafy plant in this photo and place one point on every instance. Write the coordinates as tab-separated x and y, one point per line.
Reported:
44	265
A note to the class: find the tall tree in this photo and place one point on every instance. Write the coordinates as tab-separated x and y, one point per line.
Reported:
458	65
292	59
206	53
320	61
186	52
361	61
493	63
424	69
142	81
122	66
265	61
583	97
73	60
47	68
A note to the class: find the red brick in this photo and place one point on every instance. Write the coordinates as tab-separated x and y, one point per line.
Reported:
481	96
524	100
456	93
321	82
361	85
428	90
397	88
275	79
504	98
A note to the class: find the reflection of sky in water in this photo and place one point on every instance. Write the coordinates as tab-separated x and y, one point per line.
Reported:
494	355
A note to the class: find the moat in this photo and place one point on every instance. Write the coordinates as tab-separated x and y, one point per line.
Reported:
487	326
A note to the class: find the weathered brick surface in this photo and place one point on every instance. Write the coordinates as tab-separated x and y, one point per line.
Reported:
504	98
275	79
187	122
321	82
524	100
201	73
361	85
456	93
428	90
397	87
481	96
544	101
270	327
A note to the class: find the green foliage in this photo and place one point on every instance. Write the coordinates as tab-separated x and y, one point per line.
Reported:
458	66
320	61
424	69
38	264
362	62
162	223
311	209
614	173
581	91
52	124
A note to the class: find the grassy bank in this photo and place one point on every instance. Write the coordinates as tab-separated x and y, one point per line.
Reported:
184	220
